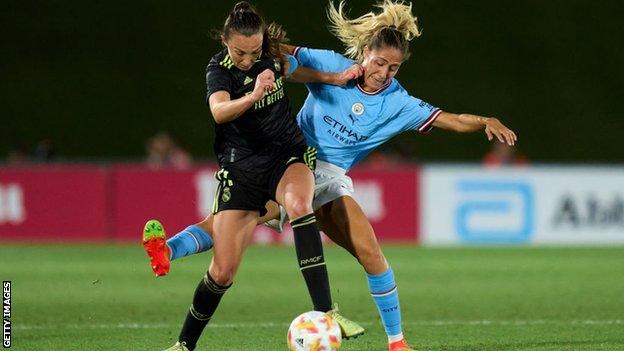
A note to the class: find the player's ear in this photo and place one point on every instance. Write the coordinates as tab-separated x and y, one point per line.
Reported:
365	54
223	40
366	51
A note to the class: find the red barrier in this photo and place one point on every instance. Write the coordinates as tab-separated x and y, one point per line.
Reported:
54	203
176	198
97	203
390	200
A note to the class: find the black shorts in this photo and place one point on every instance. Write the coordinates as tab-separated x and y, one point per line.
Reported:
248	184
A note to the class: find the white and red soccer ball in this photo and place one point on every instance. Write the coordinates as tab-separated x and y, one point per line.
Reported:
314	331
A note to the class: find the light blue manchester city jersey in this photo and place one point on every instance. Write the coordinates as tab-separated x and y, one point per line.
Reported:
346	123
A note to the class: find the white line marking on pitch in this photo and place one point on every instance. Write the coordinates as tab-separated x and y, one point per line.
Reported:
17	326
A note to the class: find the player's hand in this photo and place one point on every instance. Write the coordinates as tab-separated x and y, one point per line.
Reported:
264	84
348	75
494	128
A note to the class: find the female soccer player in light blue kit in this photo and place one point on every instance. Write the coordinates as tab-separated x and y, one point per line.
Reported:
345	123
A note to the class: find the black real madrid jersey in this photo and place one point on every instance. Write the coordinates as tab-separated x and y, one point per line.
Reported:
267	124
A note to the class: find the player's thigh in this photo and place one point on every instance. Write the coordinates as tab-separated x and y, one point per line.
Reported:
208	223
344	221
272	209
232	234
297	183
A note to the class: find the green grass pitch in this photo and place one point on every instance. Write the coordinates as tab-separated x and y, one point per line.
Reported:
104	297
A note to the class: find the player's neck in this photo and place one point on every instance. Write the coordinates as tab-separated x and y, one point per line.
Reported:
369	89
362	83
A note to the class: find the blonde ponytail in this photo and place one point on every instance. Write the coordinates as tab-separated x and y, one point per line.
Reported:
365	30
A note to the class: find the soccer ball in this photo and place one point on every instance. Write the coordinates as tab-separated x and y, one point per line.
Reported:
314	331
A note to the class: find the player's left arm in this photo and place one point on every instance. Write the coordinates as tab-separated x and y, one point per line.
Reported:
302	74
467	123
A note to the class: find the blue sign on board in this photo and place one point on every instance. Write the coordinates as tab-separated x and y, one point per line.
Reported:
495	200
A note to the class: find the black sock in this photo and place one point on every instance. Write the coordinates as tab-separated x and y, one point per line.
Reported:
311	260
205	301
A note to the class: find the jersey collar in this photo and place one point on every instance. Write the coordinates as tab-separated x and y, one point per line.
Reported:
374	92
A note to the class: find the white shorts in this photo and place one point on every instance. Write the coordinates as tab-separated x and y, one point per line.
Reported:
332	182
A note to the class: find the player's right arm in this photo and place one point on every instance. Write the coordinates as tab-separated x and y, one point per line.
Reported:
219	87
225	110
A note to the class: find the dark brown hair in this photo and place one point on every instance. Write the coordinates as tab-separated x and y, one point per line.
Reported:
245	20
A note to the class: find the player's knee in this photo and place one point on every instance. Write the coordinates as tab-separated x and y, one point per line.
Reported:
298	207
223	276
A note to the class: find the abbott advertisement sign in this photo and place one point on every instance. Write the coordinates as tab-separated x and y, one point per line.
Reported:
537	205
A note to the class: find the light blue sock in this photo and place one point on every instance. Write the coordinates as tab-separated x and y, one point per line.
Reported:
384	291
192	240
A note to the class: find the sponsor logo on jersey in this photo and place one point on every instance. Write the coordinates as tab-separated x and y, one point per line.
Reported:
272	96
426	105
343	133
247	80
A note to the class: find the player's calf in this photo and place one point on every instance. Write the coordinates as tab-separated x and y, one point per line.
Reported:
190	241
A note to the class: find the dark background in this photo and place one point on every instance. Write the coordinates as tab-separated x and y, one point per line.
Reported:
100	77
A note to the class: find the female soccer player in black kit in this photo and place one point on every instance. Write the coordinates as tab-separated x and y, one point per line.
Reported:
263	156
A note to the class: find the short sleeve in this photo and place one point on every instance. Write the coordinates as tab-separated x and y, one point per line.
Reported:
293	64
322	60
419	114
217	79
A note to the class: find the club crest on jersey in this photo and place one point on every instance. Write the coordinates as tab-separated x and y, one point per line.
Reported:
357	108
277	65
227	195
